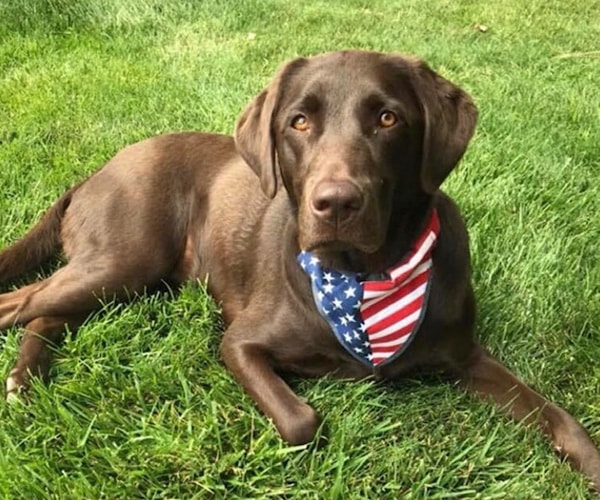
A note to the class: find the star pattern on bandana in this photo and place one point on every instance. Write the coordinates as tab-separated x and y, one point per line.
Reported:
338	297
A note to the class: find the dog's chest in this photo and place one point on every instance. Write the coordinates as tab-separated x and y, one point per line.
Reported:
314	351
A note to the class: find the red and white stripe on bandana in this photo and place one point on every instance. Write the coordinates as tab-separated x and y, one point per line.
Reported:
392	309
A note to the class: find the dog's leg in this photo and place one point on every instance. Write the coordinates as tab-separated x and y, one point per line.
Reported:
11	301
66	297
488	378
295	420
32	301
35	351
76	289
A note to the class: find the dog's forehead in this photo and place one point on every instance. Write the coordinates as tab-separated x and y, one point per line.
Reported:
354	62
351	75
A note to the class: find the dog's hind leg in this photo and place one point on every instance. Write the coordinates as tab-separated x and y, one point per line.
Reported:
77	289
35	351
488	378
65	299
11	301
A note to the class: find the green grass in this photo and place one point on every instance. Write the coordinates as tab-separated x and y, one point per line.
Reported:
140	405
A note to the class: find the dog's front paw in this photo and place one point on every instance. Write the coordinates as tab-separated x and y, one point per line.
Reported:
302	427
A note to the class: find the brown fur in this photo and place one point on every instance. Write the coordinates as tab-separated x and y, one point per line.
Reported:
188	206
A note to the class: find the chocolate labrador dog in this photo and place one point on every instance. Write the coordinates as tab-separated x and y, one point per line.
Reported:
322	232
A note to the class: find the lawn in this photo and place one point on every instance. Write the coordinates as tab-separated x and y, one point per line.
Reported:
141	406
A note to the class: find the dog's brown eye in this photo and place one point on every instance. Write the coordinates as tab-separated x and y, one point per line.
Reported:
300	122
387	119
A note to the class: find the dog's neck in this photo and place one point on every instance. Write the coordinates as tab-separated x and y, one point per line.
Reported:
407	223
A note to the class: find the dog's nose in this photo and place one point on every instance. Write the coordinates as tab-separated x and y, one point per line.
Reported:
336	201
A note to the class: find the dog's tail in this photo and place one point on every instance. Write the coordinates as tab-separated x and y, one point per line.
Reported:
39	244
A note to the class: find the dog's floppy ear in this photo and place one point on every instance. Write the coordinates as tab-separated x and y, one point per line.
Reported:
254	134
449	117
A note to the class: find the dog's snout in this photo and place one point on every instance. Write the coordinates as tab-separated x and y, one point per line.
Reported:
336	201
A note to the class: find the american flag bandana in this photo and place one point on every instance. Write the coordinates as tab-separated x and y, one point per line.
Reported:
376	320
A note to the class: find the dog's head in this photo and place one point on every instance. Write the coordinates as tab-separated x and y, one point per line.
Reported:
354	137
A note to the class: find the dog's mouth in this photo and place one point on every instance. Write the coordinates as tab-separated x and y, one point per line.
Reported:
363	237
343	255
340	246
